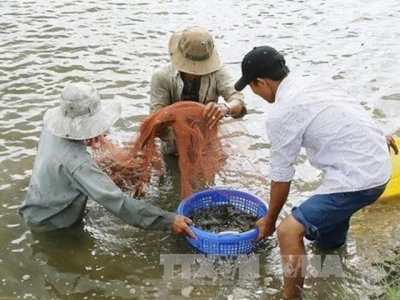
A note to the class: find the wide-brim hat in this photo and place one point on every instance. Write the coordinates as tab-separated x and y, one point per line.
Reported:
192	51
81	114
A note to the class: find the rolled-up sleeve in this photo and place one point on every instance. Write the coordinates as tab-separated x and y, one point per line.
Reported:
285	135
226	88
99	187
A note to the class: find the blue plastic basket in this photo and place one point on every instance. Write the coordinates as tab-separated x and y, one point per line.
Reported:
226	243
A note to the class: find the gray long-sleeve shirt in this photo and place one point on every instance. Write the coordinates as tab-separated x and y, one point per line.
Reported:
65	176
167	87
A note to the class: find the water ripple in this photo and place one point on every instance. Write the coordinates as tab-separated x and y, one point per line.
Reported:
116	45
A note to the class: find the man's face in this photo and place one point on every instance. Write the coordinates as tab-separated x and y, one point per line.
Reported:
95	142
189	77
262	89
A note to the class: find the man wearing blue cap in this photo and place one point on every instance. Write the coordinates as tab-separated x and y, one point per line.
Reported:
340	139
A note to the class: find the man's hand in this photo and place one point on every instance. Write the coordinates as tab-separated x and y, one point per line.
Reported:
279	194
180	226
392	144
265	228
214	112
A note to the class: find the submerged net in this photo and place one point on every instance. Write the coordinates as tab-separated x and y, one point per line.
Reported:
200	151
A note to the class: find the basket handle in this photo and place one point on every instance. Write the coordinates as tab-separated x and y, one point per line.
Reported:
229	233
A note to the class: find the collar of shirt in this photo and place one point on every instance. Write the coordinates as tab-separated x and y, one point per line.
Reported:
174	71
291	85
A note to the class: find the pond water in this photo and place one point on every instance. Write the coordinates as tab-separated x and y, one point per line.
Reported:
115	45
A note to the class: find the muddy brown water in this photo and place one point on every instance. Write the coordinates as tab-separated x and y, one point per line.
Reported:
115	45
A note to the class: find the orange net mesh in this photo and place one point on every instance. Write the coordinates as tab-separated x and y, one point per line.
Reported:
200	151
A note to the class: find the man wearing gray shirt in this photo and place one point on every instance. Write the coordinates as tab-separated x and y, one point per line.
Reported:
65	176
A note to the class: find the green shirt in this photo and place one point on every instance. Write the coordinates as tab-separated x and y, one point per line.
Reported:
65	176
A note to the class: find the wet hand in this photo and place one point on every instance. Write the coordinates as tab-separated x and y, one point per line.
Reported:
214	112
181	226
392	144
265	229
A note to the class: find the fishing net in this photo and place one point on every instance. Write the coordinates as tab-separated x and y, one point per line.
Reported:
200	153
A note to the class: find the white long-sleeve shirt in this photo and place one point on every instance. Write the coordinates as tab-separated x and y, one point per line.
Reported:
339	136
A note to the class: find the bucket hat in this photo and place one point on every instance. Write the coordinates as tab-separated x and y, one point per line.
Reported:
192	51
81	114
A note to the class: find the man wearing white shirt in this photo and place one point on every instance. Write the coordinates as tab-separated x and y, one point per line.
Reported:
340	139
